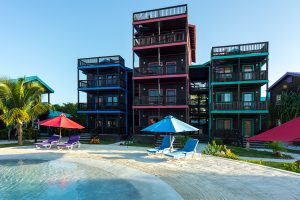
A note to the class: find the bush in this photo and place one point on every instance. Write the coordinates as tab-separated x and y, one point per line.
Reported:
95	140
276	148
29	133
219	150
3	134
218	141
183	140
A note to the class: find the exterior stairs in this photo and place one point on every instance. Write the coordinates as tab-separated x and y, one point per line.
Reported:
255	144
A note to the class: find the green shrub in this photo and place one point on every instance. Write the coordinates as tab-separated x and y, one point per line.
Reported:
29	133
182	140
276	147
218	141
3	134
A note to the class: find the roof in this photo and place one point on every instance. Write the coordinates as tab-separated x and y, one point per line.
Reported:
296	74
206	64
36	78
54	113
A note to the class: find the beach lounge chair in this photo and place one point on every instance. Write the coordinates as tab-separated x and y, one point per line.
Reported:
188	150
165	145
73	141
53	140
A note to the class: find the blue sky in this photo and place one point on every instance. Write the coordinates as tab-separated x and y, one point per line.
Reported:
45	38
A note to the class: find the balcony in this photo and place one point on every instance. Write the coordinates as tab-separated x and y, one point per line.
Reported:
160	13
115	82
198	87
241	105
166	38
159	70
241	76
107	60
159	101
101	106
251	48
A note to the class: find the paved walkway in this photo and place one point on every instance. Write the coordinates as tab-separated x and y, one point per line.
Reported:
204	177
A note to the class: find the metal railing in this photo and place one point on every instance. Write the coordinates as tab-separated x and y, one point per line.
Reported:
159	39
241	105
160	13
159	100
101	106
115	82
159	70
240	49
242	76
101	61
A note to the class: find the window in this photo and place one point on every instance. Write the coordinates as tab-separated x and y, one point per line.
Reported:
112	123
289	79
248	98
224	124
111	79
171	96
194	99
248	72
224	72
224	97
154	96
171	67
278	98
154	68
112	100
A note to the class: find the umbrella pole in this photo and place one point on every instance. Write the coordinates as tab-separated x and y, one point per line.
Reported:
60	131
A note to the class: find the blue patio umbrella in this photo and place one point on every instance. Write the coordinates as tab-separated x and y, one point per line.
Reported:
170	124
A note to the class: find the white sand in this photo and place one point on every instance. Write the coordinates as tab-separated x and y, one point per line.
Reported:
203	177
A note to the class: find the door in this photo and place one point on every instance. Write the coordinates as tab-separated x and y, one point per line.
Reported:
248	100
248	72
248	127
99	123
171	96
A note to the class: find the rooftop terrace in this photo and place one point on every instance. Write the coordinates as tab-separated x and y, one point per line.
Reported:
160	13
105	60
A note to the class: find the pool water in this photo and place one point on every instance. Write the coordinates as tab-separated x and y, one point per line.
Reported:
40	179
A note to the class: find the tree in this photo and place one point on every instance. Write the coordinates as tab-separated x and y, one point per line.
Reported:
71	108
20	103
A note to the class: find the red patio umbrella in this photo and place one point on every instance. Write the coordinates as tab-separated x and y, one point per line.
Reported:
287	132
61	122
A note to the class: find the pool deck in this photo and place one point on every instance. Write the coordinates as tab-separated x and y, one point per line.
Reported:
203	177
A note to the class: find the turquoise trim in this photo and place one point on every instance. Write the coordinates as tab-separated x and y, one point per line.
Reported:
239	56
231	123
239	82
36	78
218	93
252	124
240	111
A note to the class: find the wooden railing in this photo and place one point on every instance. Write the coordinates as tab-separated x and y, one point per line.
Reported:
241	105
240	49
159	100
115	82
101	106
101	61
160	13
159	39
159	70
242	76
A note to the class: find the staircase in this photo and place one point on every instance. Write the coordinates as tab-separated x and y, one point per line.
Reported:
255	144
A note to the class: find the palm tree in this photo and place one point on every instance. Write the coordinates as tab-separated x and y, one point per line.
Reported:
20	103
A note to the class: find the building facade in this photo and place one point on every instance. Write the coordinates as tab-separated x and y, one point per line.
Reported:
163	50
103	83
237	75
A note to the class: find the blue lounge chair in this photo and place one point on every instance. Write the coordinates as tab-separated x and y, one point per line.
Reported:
73	141
188	150
166	144
53	140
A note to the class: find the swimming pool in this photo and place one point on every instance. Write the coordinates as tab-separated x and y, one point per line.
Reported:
57	179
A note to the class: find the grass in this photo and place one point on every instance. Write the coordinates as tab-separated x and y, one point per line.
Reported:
293	151
25	143
293	167
242	152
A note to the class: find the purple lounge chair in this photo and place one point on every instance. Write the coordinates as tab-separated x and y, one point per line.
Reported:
73	141
53	140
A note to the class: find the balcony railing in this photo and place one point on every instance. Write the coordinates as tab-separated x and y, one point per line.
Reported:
242	76
117	82
101	106
101	61
159	100
159	39
159	70
198	87
160	13
240	49
242	105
